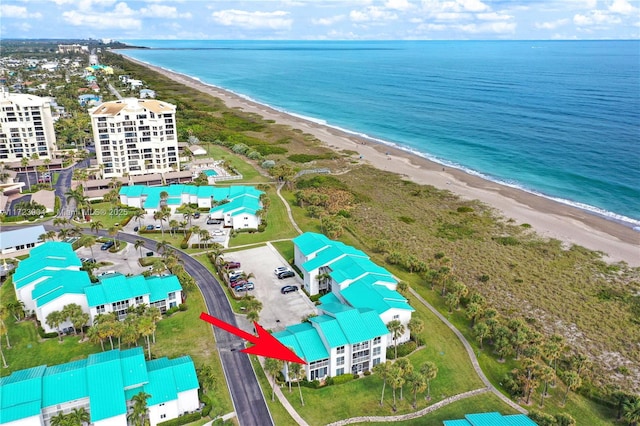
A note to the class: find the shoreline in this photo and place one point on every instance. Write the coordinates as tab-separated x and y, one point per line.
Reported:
548	218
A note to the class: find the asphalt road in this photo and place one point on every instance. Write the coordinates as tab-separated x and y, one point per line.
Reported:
248	400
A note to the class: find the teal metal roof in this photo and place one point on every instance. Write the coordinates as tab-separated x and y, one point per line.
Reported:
60	283
310	242
133	367
329	298
377	297
106	386
247	204
305	341
330	330
115	288
352	267
244	196
491	419
20	394
65	382
160	287
108	379
51	255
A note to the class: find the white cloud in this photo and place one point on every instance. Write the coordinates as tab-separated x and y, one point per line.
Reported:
20	12
595	17
622	7
328	21
278	20
402	5
473	5
551	25
118	20
491	27
372	13
438	6
493	16
161	11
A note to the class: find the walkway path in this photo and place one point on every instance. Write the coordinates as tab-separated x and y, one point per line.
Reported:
409	416
293	222
283	400
470	352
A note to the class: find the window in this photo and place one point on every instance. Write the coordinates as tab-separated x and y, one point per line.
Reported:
376	351
339	371
340	350
163	416
172	295
139	300
100	309
340	361
376	361
395	317
162	405
377	340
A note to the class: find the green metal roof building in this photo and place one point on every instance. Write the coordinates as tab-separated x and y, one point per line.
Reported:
102	384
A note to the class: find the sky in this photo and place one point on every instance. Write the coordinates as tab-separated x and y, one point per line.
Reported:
322	19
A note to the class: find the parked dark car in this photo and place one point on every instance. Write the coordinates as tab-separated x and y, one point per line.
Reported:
107	245
87	260
196	215
135	229
238	283
240	288
232	265
286	274
288	289
150	227
235	278
214	221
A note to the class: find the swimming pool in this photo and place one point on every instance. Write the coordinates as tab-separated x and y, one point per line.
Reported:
209	173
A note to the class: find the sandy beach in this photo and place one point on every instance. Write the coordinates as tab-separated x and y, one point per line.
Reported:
548	218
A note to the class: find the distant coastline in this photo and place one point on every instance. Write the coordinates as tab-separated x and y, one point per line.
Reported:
551	217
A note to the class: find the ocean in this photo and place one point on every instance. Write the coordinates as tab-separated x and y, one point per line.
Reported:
557	118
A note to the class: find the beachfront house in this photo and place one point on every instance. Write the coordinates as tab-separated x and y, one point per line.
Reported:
360	298
104	384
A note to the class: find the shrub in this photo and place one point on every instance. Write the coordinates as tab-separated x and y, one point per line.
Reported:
507	241
254	155
406	219
184	246
328	381
404	349
313	385
182	420
343	378
464	209
268	164
44	335
183	307
172	311
245	230
355	376
367	372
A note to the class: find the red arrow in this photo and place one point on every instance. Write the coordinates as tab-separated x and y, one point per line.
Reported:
264	344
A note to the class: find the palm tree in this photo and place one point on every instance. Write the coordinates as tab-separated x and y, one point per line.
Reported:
382	370
481	331
163	199
204	235
89	242
138	245
113	232
631	410
94	335
196	230
80	416
97	226
396	329
183	225
3	329
166	215
396	380
139	414
546	375
173	225
139	215
417	383
297	371
59	419
25	163
53	320
155	316
157	215
78	320
407	368
573	382
415	326
273	366
77	196
51	234
161	246
429	370
16	308
146	328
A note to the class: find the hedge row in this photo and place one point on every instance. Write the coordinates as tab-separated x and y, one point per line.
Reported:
404	349
182	420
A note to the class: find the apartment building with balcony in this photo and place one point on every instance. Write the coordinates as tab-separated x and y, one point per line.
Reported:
350	333
135	137
26	127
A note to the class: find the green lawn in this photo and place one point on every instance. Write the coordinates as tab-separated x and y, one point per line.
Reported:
285	248
107	213
482	403
249	173
278	225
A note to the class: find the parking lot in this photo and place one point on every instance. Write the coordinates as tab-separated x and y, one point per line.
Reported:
278	310
124	262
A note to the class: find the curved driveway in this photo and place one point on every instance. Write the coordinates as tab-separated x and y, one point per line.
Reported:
248	400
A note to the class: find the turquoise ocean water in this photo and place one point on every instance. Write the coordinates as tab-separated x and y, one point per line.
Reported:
557	118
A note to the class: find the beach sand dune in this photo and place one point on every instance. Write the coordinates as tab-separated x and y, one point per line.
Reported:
549	218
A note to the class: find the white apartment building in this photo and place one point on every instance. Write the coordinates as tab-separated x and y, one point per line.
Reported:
135	137
26	127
